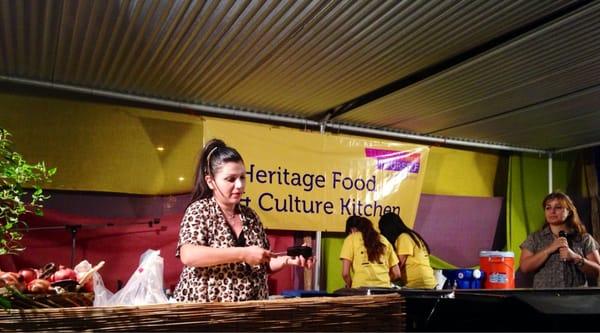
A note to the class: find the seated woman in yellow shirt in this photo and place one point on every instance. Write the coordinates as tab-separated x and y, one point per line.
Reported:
412	251
368	255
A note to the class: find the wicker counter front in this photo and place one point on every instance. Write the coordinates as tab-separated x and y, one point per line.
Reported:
349	313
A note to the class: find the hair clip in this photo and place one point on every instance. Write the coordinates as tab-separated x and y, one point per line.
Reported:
209	154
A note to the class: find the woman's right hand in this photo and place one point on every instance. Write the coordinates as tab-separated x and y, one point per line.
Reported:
255	255
531	262
558	243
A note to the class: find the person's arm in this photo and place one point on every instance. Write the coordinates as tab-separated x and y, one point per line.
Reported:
346	272
205	256
392	259
277	263
589	264
404	248
402	260
395	273
531	262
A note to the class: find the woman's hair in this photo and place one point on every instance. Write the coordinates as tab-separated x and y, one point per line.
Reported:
371	238
392	226
214	154
573	221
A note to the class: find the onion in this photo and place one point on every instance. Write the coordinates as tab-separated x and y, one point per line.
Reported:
13	279
39	286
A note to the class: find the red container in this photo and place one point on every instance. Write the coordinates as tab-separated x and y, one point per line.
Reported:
498	268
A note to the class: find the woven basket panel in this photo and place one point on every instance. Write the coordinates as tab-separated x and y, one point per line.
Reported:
351	313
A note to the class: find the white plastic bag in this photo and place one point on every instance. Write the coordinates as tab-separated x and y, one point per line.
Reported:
101	294
82	267
145	285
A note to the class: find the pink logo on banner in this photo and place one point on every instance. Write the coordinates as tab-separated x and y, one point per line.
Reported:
395	160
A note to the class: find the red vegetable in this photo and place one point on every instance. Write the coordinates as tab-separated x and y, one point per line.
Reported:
28	274
64	274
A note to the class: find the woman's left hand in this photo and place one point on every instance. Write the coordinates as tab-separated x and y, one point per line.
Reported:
566	254
301	261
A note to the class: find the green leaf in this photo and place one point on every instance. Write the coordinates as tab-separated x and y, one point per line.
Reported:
16	175
5	302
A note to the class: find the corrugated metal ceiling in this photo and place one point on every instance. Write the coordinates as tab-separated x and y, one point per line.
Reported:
520	73
527	91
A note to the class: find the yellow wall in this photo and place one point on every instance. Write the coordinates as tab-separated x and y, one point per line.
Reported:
101	147
460	172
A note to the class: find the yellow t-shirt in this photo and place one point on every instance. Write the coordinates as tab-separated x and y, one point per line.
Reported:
365	273
418	272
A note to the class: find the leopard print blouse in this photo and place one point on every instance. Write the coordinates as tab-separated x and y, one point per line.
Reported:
204	224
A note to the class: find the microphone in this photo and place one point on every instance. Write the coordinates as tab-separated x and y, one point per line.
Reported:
562	233
567	265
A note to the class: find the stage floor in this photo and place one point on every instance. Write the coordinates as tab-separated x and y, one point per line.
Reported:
574	309
499	310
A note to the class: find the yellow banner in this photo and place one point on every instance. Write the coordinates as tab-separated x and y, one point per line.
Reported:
298	180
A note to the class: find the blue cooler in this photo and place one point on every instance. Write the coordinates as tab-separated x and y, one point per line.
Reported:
463	278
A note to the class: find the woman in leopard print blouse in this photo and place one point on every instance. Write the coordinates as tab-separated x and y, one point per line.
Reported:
222	244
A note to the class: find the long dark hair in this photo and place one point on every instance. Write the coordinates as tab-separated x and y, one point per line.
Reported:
371	238
392	226
573	221
212	157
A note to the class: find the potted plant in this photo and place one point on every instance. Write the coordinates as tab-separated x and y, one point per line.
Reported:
15	176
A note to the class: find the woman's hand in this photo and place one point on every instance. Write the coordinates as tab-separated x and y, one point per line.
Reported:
566	254
557	244
301	261
278	262
531	262
255	255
